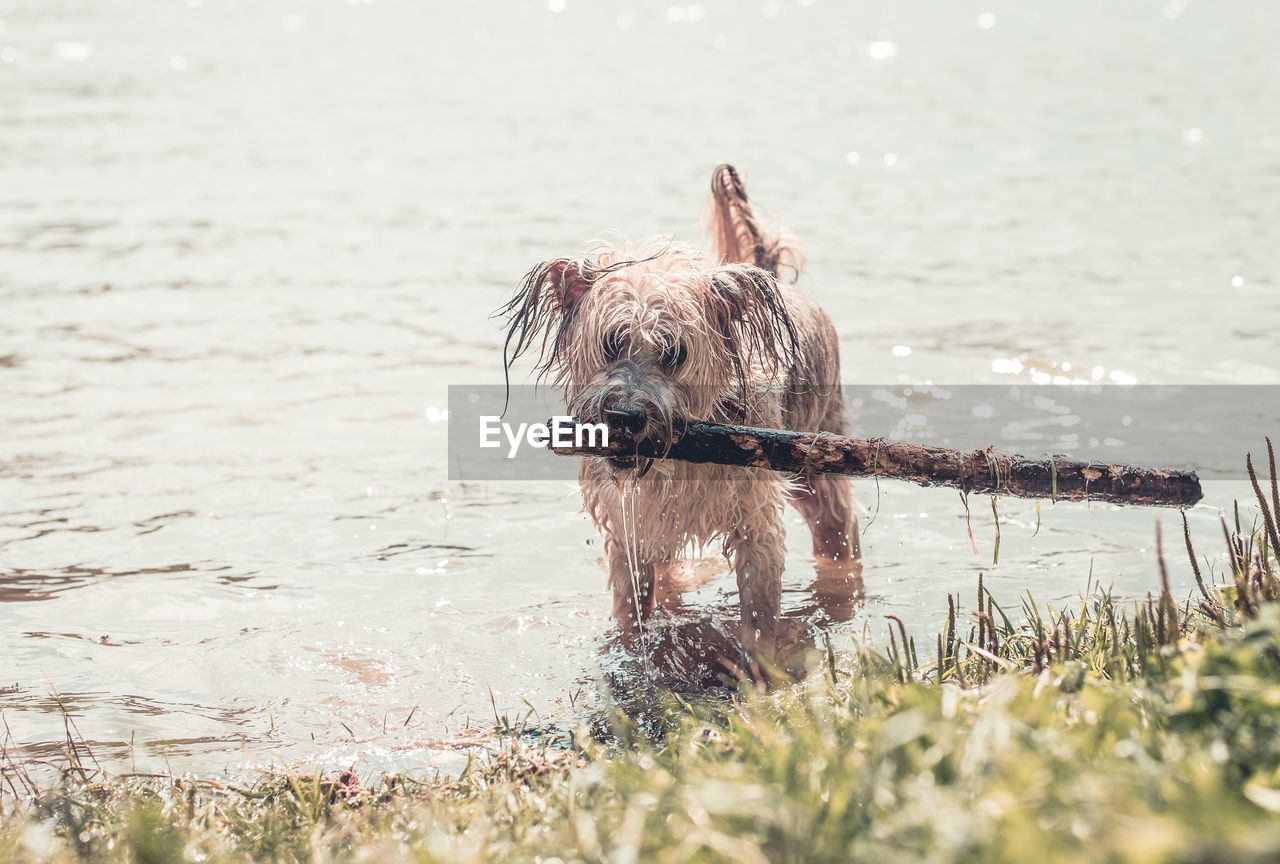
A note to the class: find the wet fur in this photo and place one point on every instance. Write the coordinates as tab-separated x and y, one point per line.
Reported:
679	334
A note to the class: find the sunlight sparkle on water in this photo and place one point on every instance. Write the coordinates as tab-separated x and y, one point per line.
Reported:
1237	281
882	49
73	52
1060	373
556	5
852	157
890	159
689	14
987	20
901	350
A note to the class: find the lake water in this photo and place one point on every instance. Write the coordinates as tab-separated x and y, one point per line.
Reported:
245	247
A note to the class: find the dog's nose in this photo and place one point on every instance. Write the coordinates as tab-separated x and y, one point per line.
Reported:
631	416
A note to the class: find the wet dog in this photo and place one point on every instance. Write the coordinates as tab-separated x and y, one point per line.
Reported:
643	335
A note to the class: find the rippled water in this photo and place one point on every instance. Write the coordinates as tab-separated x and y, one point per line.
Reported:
244	247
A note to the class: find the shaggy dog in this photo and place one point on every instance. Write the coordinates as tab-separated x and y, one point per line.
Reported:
644	335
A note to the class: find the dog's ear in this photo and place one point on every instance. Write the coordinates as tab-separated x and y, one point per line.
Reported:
568	280
543	305
754	318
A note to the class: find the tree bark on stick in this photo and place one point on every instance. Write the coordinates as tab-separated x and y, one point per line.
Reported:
1057	478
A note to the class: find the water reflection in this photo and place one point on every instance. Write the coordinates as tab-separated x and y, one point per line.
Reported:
687	647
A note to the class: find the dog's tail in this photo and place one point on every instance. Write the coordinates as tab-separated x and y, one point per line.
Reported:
739	234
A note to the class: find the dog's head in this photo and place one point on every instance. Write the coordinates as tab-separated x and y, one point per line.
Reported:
643	336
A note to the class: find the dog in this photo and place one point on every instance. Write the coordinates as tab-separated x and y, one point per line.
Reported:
643	335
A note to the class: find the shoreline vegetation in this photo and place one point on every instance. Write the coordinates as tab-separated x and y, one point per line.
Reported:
1111	731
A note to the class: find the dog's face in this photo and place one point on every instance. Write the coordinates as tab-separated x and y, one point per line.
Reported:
642	337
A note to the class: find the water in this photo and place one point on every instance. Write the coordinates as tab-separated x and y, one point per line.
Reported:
244	247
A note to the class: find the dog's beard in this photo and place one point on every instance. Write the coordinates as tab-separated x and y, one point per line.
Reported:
638	398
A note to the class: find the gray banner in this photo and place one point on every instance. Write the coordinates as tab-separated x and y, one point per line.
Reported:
1205	428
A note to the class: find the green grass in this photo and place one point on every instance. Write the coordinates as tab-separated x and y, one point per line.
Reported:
1110	731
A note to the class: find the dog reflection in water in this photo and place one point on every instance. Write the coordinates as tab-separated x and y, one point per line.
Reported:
650	334
686	644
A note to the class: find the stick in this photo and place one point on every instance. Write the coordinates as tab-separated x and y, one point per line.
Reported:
979	471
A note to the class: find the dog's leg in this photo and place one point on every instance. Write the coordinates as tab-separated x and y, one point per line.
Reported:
668	586
627	576
826	503
756	549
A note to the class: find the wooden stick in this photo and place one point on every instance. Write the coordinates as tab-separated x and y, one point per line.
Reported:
979	471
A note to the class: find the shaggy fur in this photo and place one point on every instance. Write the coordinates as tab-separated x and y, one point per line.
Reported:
649	333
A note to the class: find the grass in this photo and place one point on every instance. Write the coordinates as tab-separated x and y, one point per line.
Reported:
1110	731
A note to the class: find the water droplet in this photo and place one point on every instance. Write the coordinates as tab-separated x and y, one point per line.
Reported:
890	159
987	20
177	62
1237	281
852	157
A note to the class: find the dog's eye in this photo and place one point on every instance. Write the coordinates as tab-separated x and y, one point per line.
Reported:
673	355
613	345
